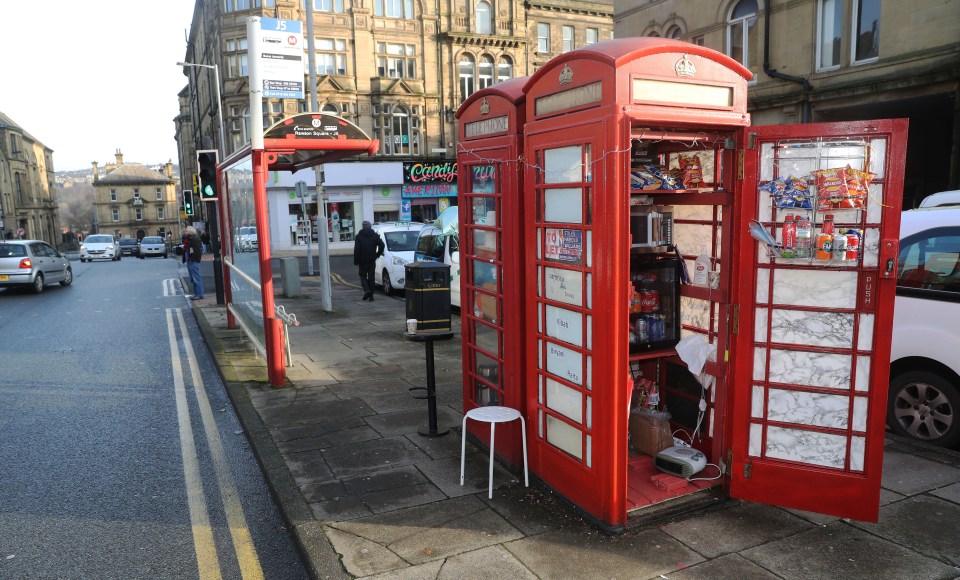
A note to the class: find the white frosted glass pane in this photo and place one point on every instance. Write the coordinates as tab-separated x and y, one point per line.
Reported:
540	389
760	326
863	374
821	288
539	243
865	332
540	317
814	369
564	437
857	448
589	372
874	209
540	354
565	325
563	164
878	157
808	408
589	451
759	363
756	440
694	312
564	285
829	329
589	332
763	285
870	246
564	400
563	205
590	291
756	403
766	163
860	413
807	447
589	412
589	249
540	424
765	215
565	362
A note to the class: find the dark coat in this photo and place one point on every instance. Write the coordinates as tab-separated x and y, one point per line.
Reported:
367	247
192	251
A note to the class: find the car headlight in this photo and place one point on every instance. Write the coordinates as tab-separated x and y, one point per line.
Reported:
83	248
398	261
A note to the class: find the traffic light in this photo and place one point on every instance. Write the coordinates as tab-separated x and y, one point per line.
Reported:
207	160
187	202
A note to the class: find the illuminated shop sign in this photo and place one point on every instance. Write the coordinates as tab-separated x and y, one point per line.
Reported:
429	190
417	173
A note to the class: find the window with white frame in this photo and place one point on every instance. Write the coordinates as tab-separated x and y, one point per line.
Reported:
330	56
674	32
159	194
113	194
543	37
396	61
866	30
138	212
115	213
485	72
829	25
466	71
234	5
504	69
160	213
484	16
568	38
399	129
324	5
235	53
742	33
136	193
592	36
393	8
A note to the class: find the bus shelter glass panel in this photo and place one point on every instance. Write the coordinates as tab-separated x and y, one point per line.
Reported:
247	301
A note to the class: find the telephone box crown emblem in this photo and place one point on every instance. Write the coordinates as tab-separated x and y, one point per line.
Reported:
685	67
484	106
566	75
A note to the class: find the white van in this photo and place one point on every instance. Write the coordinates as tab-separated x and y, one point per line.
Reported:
924	398
440	242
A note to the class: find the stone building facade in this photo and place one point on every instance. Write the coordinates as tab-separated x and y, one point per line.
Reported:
835	60
133	200
28	199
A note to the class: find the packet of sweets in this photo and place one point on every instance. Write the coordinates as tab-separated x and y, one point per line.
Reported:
692	170
669	182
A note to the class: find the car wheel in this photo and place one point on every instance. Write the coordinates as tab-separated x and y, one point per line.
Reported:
67	278
82	260
387	285
924	406
38	284
164	256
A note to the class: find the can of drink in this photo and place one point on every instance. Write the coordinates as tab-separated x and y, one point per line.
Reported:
839	246
853	245
640	329
649	300
654	327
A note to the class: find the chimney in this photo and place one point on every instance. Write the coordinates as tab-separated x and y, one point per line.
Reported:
96	172
168	169
119	158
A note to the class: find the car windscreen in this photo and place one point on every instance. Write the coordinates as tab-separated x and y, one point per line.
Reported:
128	242
12	251
401	241
99	240
151	241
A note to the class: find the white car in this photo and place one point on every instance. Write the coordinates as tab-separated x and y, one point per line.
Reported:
924	395
942	199
99	247
400	243
247	239
440	242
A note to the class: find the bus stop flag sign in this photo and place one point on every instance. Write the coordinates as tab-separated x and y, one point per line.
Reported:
281	58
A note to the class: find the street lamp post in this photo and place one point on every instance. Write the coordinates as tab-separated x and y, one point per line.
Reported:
212	210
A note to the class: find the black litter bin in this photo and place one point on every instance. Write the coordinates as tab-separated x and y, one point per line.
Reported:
427	287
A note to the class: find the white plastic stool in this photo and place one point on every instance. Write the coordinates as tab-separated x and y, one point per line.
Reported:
493	415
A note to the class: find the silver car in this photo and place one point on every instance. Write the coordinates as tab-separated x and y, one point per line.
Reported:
152	246
99	247
32	263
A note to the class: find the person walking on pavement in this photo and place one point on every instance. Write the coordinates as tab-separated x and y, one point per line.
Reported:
367	247
205	241
192	254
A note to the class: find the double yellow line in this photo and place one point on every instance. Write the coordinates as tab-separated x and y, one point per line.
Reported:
203	542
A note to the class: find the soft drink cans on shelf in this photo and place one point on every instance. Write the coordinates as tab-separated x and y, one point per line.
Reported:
853	245
649	300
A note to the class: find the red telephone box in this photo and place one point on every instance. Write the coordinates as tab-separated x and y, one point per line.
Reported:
640	145
491	249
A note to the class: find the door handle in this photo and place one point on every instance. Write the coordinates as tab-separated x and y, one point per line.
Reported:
888	257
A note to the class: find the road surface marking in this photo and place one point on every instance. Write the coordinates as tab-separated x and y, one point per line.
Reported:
242	542
170	287
340	280
207	563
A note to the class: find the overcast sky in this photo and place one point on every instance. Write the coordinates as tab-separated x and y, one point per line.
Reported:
86	78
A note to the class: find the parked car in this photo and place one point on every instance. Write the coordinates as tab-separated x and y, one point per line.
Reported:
128	246
99	247
400	244
924	393
33	264
942	199
152	246
440	242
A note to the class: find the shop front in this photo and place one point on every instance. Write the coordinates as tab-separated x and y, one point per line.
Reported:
689	276
429	187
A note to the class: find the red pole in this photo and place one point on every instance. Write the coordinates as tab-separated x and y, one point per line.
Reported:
226	241
272	333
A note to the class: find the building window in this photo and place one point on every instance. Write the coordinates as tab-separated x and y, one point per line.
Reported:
160	213
14	145
742	33
866	30
234	5
568	43
236	56
115	213
829	17
485	72
159	194
394	8
592	36
113	195
484	20
504	69
467	69
325	5
331	56
543	37
330	109
19	187
136	193
272	112
674	32
396	61
399	129
699	40
138	212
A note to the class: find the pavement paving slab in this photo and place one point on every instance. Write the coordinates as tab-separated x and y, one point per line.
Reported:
288	433
950	493
438	447
391	527
463	534
399	497
729	567
587	553
484	564
445	474
412	420
314	412
909	474
369	456
909	523
735	527
428	570
333	439
362	557
534	510
840	550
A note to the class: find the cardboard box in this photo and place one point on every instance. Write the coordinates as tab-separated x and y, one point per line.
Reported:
650	431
